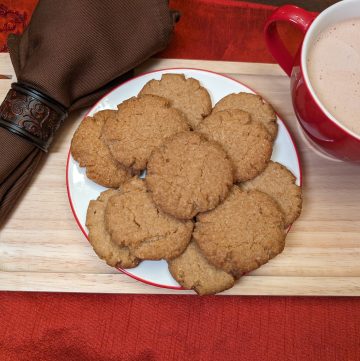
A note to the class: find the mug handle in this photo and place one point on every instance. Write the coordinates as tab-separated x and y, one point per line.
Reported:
294	15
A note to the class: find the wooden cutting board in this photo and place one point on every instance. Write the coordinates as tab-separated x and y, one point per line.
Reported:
42	248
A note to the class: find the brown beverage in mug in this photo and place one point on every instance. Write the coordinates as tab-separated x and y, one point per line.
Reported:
333	66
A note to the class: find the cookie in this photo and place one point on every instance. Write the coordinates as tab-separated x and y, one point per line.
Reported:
255	105
241	234
188	174
133	220
279	183
140	126
193	271
90	151
247	142
113	254
186	95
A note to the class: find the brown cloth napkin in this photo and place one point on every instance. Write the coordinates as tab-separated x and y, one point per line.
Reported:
73	52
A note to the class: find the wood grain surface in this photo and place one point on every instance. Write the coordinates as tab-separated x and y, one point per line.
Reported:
42	248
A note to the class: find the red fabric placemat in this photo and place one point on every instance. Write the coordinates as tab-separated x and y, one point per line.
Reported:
224	30
209	29
14	16
78	327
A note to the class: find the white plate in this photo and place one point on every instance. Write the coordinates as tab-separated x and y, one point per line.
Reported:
81	190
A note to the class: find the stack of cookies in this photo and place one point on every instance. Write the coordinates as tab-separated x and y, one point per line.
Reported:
212	203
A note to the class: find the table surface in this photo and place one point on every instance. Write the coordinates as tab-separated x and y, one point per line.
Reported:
42	248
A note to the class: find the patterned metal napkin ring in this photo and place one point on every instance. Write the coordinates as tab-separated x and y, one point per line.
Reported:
31	115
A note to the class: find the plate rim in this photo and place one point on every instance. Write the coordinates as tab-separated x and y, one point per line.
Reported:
122	270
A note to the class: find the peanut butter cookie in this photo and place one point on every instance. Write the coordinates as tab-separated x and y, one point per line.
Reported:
189	174
253	104
90	151
184	94
247	142
113	254
133	220
193	271
242	233
141	125
279	183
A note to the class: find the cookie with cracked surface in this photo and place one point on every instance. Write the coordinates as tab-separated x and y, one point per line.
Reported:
242	233
193	271
133	220
90	151
247	142
184	94
188	174
259	110
113	254
141	125
279	183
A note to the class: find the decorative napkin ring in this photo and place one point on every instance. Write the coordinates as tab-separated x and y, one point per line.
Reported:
31	115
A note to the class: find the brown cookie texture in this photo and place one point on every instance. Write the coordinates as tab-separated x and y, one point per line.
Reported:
184	94
242	233
188	174
113	254
133	220
259	110
193	271
279	183
141	125
90	151
247	142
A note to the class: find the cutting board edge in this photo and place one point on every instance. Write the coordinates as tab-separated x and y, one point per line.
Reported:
122	284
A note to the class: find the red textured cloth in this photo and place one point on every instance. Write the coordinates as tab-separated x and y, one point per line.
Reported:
77	327
14	16
223	30
209	29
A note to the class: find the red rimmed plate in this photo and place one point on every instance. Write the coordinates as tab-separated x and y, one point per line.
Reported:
81	189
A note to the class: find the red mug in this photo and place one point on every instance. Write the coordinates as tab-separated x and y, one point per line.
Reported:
318	124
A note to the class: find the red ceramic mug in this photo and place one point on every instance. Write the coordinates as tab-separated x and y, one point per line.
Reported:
318	124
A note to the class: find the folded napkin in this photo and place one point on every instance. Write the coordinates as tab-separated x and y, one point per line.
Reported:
71	53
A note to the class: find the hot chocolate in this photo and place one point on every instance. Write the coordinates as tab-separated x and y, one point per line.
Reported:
333	65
